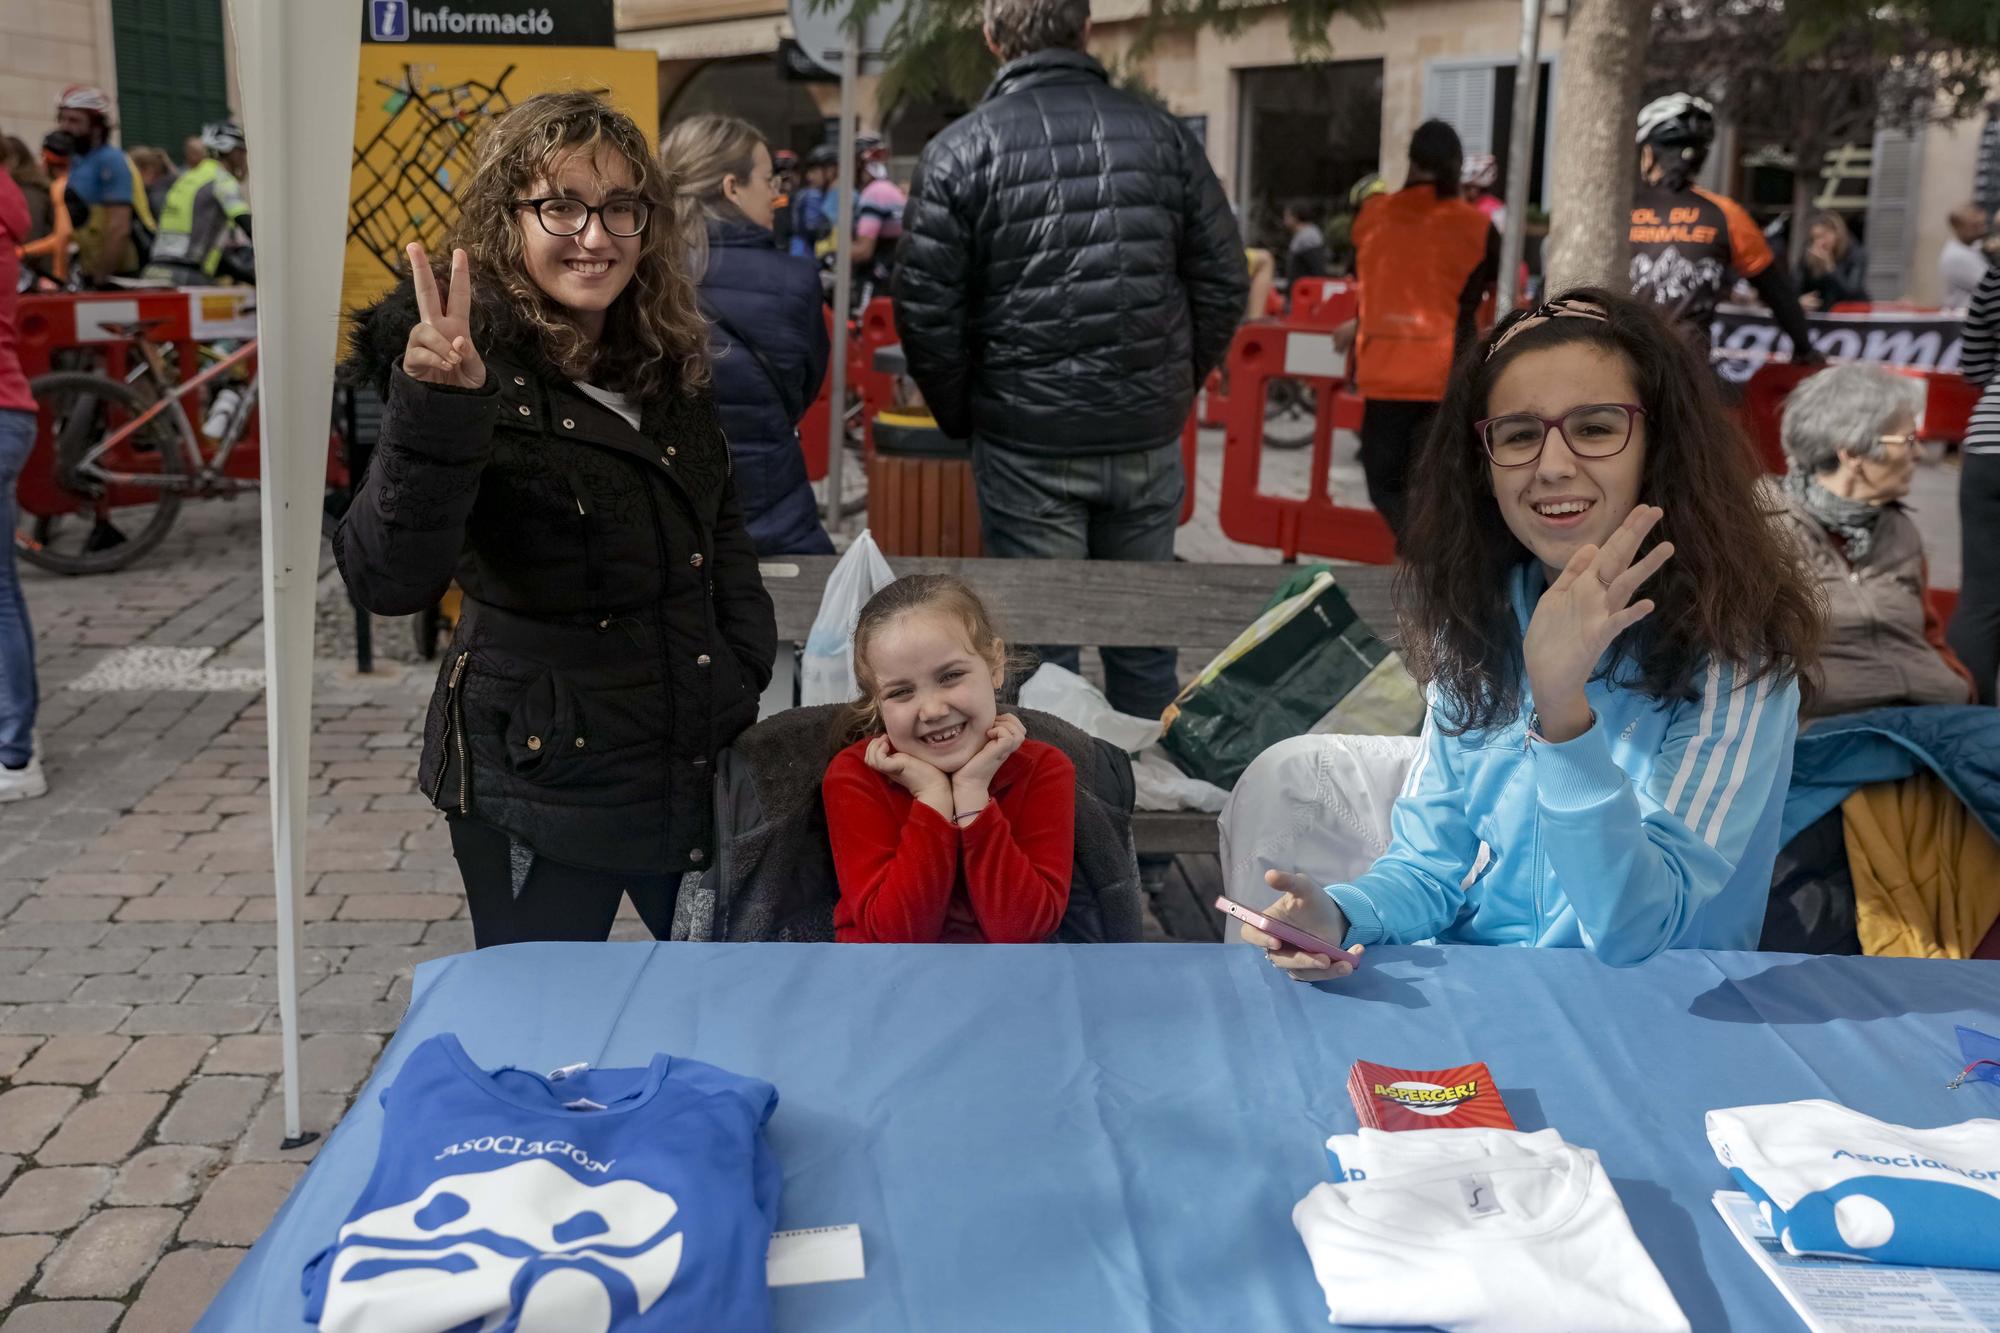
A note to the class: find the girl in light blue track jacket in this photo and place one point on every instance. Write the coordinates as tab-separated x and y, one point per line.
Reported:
1599	769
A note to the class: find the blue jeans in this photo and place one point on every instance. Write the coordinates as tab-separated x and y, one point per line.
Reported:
1103	507
18	694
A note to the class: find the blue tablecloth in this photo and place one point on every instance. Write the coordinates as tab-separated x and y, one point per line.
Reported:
1112	1137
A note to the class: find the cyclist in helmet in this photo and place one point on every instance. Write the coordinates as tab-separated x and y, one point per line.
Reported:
878	218
1689	245
117	223
812	219
1476	177
203	205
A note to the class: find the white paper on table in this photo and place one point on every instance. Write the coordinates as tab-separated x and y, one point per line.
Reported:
1854	1296
815	1254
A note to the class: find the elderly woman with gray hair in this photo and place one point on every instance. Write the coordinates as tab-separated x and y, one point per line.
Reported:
1850	435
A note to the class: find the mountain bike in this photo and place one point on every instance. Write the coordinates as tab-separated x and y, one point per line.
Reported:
126	452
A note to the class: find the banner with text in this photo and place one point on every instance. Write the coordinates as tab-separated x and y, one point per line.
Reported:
1745	337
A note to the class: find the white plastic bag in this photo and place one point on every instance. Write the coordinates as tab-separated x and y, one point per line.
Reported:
1158	783
826	669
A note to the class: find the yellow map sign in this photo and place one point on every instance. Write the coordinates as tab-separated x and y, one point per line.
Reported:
416	113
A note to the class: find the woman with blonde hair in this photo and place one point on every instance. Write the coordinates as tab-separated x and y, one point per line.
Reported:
1834	268
550	441
767	324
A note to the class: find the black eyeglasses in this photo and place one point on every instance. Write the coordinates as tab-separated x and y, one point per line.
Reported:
562	216
1596	430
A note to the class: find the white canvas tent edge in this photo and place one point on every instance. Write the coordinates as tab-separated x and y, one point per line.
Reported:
298	64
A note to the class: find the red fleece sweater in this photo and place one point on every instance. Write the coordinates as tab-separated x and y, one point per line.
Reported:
908	876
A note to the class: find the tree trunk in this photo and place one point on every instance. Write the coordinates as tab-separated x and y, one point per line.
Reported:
1603	62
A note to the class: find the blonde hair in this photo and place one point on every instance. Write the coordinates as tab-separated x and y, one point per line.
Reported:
151	159
939	593
701	152
655	339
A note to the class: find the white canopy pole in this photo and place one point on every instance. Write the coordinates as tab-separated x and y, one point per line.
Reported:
848	183
298	64
1520	155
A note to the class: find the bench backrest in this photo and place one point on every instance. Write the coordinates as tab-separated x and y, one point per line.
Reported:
1105	603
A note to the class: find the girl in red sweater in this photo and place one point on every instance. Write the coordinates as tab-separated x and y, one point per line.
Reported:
948	823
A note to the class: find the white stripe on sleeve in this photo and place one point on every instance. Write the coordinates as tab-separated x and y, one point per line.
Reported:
1715	759
1691	755
1714	828
1417	770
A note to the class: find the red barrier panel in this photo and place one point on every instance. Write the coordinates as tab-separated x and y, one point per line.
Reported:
816	425
1948	404
1324	303
875	330
1190	455
48	324
1315	524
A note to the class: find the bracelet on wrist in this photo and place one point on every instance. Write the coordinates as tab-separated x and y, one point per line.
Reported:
965	816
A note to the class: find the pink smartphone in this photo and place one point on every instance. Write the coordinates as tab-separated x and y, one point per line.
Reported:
1286	931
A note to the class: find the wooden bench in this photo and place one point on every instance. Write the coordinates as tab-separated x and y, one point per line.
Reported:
1197	608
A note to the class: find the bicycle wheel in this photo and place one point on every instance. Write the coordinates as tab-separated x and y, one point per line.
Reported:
102	532
1290	412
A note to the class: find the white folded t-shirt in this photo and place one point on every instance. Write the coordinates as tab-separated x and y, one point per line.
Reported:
1527	1241
1370	1153
1832	1181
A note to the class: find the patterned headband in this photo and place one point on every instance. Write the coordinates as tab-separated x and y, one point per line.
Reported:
1557	309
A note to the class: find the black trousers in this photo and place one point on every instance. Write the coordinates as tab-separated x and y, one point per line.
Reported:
558	902
1391	431
1975	626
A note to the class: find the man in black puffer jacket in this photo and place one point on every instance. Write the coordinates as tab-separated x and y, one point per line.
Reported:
1069	273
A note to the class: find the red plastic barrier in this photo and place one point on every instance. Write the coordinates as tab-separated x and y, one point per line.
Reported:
1190	454
875	330
51	323
815	426
1325	303
1948	404
1315	524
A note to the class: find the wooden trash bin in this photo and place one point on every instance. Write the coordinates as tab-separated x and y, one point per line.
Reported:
921	499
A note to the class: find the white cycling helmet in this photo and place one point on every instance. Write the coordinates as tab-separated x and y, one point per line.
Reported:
222	136
1479	169
84	97
1678	120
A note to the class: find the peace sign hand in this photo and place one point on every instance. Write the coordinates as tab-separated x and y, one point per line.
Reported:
440	349
1577	619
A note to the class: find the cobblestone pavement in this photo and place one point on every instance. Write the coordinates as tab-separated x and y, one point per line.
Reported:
139	1101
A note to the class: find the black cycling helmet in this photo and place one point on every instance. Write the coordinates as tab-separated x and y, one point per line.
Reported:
1679	128
1678	120
826	155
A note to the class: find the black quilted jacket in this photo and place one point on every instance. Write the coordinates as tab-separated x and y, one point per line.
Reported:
616	633
1069	269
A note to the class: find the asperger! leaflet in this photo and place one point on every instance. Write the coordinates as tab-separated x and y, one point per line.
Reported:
1459	1098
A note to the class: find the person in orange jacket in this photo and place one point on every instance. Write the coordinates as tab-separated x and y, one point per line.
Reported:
1424	259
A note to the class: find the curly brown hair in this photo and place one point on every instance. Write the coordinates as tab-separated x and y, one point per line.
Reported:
1733	592
655	339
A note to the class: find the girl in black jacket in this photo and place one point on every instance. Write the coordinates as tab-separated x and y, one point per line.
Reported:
549	440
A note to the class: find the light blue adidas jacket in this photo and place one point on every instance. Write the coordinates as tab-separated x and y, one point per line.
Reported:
1656	829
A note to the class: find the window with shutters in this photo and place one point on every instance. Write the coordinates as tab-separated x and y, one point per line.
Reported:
1986	176
1462	97
171	72
1476	98
1892	198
